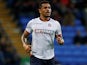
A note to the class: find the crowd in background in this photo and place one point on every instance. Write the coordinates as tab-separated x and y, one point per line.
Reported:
70	13
67	12
8	53
60	8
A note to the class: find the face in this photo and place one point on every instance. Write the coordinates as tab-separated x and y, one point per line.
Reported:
45	10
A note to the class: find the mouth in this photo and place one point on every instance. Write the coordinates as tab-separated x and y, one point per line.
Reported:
47	12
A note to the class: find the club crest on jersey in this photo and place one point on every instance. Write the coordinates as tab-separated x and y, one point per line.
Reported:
49	25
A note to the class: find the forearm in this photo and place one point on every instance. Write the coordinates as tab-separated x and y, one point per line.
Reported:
24	39
26	46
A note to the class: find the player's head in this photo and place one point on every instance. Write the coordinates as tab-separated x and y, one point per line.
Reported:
45	8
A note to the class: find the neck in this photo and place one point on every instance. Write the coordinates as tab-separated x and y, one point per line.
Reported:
45	19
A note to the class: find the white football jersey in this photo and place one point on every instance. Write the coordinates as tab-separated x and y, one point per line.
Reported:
43	34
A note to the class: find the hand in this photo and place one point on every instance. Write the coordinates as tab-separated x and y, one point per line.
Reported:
27	49
60	40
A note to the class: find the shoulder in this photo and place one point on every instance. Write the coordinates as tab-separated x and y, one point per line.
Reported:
55	22
33	20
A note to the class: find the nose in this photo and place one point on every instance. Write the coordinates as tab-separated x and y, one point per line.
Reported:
48	10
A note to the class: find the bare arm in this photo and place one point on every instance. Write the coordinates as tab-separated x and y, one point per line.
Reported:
59	39
26	46
24	37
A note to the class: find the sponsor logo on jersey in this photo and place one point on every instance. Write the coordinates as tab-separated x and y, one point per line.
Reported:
49	25
44	31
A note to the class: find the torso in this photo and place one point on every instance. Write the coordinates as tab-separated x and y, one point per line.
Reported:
43	34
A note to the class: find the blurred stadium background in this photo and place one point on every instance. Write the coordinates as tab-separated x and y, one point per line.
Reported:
72	15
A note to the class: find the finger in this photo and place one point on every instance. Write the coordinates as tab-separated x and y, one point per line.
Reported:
28	49
29	46
59	38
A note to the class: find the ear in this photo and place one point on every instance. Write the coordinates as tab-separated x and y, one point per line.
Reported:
39	10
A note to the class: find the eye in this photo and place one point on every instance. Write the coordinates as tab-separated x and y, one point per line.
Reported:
45	7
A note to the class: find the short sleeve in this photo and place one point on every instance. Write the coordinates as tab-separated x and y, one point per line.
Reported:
29	26
58	29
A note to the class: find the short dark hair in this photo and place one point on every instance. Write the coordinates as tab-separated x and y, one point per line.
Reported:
42	2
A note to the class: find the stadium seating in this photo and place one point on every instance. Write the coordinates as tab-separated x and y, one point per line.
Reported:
68	54
71	54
